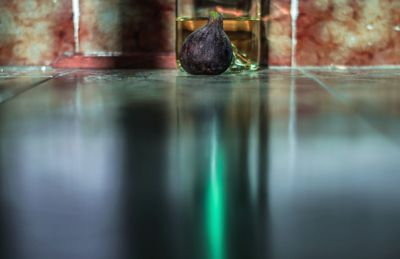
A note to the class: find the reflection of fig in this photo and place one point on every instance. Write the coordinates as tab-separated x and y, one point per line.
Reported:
208	50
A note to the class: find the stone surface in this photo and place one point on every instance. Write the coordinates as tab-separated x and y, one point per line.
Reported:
279	163
348	32
34	32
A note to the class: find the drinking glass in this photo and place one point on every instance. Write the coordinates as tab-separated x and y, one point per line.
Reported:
242	24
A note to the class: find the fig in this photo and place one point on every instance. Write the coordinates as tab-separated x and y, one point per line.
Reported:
208	50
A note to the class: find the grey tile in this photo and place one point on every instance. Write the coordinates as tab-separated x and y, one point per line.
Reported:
272	157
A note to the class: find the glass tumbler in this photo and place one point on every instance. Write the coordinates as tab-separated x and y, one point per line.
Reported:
242	24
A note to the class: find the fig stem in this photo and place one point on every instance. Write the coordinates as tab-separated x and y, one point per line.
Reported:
214	16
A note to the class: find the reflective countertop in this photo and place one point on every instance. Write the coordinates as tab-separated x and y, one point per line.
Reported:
133	164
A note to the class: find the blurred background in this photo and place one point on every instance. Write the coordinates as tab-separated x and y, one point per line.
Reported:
280	163
106	33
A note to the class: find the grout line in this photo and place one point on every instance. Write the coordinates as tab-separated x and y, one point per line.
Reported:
76	15
345	68
61	74
328	88
103	53
294	12
335	68
5	96
278	68
362	115
15	94
11	96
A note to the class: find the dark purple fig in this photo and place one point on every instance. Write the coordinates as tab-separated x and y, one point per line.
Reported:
208	50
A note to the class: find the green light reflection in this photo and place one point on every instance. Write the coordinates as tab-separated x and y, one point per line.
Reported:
215	200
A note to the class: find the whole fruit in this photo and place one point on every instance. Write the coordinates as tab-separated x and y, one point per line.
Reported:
208	50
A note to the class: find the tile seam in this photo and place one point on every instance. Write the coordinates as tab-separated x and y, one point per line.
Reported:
9	97
76	18
325	86
294	13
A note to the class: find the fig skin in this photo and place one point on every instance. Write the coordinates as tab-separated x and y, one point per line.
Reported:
208	50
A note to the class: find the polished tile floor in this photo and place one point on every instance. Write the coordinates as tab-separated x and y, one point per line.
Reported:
159	164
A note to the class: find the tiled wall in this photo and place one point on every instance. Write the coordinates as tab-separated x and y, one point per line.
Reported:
34	32
328	32
348	32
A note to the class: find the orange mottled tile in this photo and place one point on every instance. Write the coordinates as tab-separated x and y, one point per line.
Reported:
278	32
34	32
352	32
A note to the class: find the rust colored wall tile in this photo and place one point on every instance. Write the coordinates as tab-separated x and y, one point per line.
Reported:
278	31
348	32
127	26
34	32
